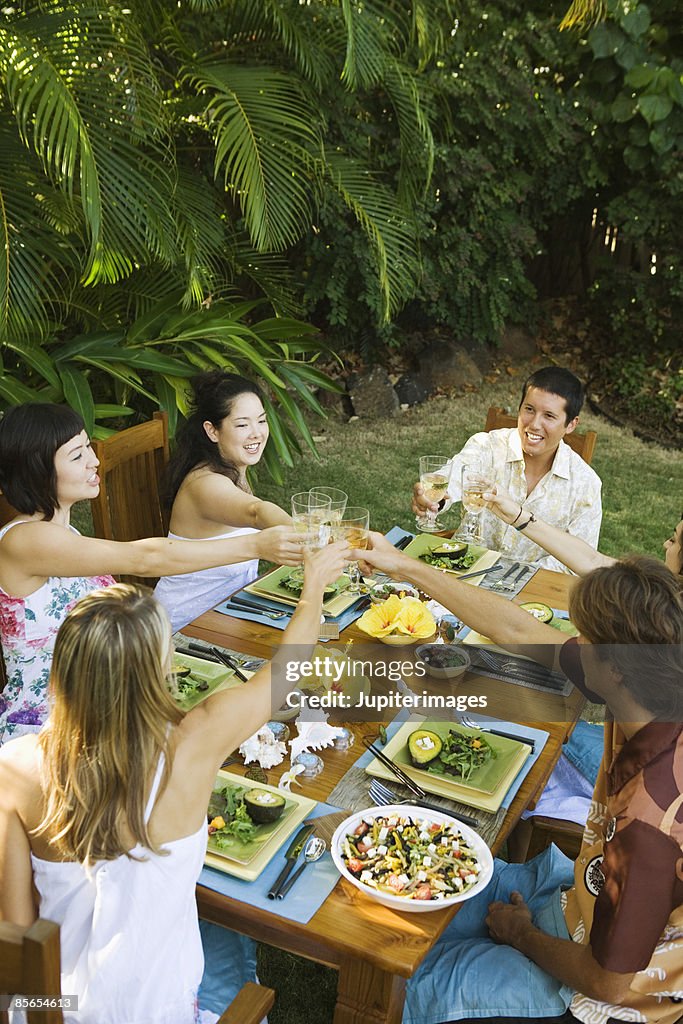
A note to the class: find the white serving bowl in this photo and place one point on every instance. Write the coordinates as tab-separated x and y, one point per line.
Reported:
445	671
410	906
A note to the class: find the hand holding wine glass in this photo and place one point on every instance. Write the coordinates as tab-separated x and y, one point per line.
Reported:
477	478
435	471
353	527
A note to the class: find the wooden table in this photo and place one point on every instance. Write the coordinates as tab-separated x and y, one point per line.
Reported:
373	948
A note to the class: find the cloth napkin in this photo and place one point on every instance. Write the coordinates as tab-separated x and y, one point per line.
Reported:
302	900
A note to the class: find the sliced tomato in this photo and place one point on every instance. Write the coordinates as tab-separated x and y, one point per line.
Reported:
362	829
394	882
423	892
354	865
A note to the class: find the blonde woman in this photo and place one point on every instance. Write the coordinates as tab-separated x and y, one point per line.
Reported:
103	815
46	466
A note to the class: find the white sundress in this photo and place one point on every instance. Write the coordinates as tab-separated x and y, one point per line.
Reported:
28	629
130	941
188	595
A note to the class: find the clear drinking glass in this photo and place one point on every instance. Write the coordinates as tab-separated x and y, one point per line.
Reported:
435	472
477	477
310	514
353	527
338	501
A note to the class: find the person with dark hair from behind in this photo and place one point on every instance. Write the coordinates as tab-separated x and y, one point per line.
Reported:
541	472
600	940
208	491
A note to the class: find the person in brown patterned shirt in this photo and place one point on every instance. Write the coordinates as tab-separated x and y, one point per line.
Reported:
623	957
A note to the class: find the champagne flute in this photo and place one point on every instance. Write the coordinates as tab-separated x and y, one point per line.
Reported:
435	472
477	477
338	501
353	527
310	514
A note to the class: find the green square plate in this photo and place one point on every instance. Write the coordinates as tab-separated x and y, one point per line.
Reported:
205	678
271	587
485	779
247	860
425	542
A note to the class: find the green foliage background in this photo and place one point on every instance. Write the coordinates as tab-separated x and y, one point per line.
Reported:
262	165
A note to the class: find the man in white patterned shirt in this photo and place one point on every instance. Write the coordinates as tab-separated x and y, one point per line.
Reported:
538	469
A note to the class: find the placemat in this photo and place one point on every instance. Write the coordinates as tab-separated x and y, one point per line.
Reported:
491	578
303	899
352	789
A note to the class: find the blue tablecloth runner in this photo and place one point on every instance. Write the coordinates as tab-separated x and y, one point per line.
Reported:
302	900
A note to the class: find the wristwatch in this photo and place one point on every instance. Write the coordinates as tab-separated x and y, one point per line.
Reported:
523	526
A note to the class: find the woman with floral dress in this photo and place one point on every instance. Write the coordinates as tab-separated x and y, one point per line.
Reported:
46	566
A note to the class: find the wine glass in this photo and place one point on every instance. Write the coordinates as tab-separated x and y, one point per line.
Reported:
477	477
353	527
435	473
310	514
338	501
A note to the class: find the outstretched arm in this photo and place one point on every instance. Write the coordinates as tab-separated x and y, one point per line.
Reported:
573	552
32	551
490	614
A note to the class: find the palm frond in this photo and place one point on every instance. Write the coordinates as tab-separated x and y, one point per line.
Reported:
33	277
366	45
416	139
390	233
265	128
279	28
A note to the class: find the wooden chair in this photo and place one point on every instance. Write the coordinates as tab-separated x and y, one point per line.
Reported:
132	463
582	443
30	965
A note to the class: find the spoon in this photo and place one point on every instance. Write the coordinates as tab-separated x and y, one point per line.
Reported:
313	851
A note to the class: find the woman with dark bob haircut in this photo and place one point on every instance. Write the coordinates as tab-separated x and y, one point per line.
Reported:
46	466
208	491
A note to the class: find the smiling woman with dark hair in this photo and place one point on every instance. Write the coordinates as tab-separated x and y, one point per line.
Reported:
46	466
211	498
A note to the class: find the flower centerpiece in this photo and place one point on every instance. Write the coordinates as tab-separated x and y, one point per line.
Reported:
398	621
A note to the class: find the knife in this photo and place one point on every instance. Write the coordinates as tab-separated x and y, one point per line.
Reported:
479	572
295	848
203	656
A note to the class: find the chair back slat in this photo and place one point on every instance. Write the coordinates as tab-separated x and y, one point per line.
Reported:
582	443
132	465
30	965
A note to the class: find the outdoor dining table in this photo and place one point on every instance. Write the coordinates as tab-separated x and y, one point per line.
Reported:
375	949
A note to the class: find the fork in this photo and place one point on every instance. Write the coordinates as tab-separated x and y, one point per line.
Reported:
381	794
501	584
469	723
